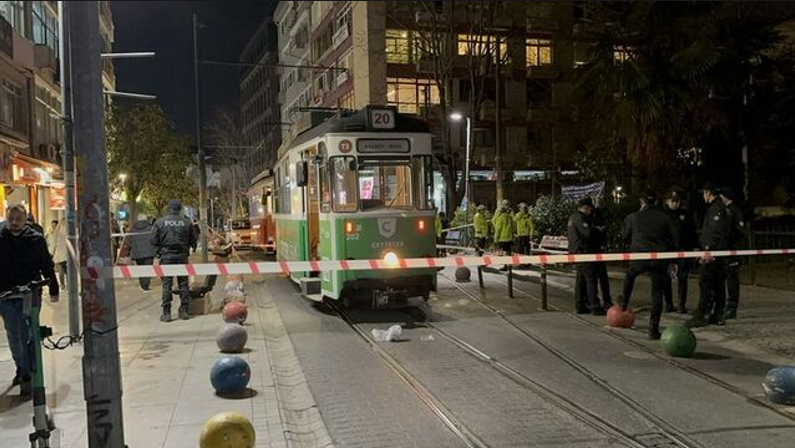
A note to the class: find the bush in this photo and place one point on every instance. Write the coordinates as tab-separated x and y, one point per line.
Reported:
551	215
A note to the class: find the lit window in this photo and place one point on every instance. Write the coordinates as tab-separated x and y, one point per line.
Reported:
397	47
539	52
622	53
477	45
410	94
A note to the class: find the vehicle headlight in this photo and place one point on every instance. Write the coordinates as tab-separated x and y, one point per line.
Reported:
391	259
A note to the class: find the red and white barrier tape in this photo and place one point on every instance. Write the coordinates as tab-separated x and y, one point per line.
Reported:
285	267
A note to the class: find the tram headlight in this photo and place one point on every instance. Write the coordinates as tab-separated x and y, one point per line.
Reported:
391	259
349	227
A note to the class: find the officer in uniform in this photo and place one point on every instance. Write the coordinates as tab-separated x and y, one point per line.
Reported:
481	229
736	241
600	246
580	234
649	230
715	235
685	225
173	237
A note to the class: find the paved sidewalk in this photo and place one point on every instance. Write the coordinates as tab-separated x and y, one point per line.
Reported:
167	390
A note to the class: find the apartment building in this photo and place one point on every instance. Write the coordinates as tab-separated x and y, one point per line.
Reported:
30	104
259	97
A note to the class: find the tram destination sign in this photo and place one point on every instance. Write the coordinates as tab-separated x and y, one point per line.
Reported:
369	145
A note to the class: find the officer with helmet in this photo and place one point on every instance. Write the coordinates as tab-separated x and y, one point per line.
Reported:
173	237
523	224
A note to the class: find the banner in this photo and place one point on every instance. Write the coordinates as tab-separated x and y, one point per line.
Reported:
57	197
577	192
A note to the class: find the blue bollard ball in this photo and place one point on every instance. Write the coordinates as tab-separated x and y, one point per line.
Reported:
230	375
779	385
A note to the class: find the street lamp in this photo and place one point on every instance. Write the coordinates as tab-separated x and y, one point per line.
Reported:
122	177
456	116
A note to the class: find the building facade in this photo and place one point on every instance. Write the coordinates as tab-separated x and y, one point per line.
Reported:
259	98
30	105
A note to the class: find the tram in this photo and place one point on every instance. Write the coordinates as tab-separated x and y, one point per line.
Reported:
260	212
358	186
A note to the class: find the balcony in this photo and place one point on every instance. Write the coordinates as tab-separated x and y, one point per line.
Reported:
542	71
542	24
44	57
339	36
543	114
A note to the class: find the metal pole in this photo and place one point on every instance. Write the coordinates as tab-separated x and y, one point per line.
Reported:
135	54
101	366
510	281
497	126
466	165
544	287
68	160
201	161
233	213
480	277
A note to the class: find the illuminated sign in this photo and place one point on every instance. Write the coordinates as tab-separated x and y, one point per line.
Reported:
366	145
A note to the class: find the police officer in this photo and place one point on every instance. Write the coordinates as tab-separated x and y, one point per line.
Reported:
523	224
441	232
736	241
685	225
173	237
715	235
649	230
600	246
481	229
580	233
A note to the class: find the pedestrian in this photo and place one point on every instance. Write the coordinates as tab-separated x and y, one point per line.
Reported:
57	244
737	239
600	246
503	229
580	235
31	222
685	225
142	252
649	230
441	233
173	238
24	258
197	229
115	239
525	229
715	233
481	224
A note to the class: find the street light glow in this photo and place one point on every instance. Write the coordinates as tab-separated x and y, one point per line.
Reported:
122	177
455	116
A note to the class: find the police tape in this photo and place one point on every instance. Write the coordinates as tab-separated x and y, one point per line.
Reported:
286	267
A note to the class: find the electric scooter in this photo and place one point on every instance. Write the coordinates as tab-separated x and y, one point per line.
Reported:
43	425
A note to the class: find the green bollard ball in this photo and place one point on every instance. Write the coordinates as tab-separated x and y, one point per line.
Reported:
678	341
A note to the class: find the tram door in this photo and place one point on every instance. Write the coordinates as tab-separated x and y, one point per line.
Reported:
313	207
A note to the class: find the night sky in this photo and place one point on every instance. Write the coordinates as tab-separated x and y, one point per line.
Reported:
166	28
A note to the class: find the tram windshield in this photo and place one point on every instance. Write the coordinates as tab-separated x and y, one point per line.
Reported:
385	183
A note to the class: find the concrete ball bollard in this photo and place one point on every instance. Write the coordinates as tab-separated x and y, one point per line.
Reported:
227	430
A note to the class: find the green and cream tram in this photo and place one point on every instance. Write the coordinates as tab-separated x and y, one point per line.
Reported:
358	187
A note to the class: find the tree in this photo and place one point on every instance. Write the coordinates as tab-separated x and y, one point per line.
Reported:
143	147
229	147
663	79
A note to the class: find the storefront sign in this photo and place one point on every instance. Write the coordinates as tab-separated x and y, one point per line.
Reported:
57	197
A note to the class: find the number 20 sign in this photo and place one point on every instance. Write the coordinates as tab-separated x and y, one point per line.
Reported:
382	118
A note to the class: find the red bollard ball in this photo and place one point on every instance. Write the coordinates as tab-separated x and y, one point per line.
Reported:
620	319
235	312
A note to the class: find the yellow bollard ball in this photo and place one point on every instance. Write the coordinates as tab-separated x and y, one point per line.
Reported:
227	430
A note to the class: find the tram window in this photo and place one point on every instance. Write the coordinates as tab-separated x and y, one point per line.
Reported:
343	184
325	194
423	181
384	184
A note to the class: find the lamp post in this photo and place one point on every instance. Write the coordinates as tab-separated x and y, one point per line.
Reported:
458	117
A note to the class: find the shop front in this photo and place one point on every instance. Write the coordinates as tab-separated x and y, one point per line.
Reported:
33	184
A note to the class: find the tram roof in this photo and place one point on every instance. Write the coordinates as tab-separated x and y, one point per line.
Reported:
353	121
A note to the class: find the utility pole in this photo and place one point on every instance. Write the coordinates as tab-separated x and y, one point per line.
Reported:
201	161
68	160
101	366
498	127
233	213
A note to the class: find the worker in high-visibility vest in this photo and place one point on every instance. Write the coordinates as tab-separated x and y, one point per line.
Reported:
524	229
441	234
481	229
503	228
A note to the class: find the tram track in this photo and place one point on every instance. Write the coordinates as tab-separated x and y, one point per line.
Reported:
663	434
618	436
672	362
